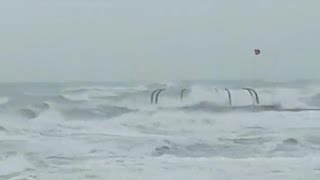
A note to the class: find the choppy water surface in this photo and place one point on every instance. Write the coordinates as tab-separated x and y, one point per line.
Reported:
112	131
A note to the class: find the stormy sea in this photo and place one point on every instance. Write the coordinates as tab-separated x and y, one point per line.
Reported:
191	130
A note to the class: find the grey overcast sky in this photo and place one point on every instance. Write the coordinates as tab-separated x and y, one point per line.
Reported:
112	40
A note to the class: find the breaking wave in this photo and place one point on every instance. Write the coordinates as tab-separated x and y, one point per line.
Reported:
108	102
118	127
100	112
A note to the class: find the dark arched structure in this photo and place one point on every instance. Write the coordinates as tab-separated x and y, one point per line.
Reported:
182	93
152	95
256	94
251	94
157	95
229	95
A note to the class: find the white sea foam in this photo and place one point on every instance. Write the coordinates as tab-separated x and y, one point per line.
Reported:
125	137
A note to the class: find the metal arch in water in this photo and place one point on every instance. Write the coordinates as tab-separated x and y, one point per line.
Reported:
157	95
229	95
256	94
182	92
251	94
152	95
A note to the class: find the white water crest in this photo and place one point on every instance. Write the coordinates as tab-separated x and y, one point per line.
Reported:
112	131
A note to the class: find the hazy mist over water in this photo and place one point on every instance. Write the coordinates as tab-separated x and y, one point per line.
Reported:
105	40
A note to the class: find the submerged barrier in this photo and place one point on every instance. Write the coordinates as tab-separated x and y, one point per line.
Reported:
182	93
253	94
157	95
152	95
154	99
229	96
256	98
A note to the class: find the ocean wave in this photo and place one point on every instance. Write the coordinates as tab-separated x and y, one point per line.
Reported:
313	100
200	149
100	112
62	99
33	111
212	107
288	146
4	100
2	129
28	113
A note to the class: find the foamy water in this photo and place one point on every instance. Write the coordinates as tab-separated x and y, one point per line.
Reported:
111	131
